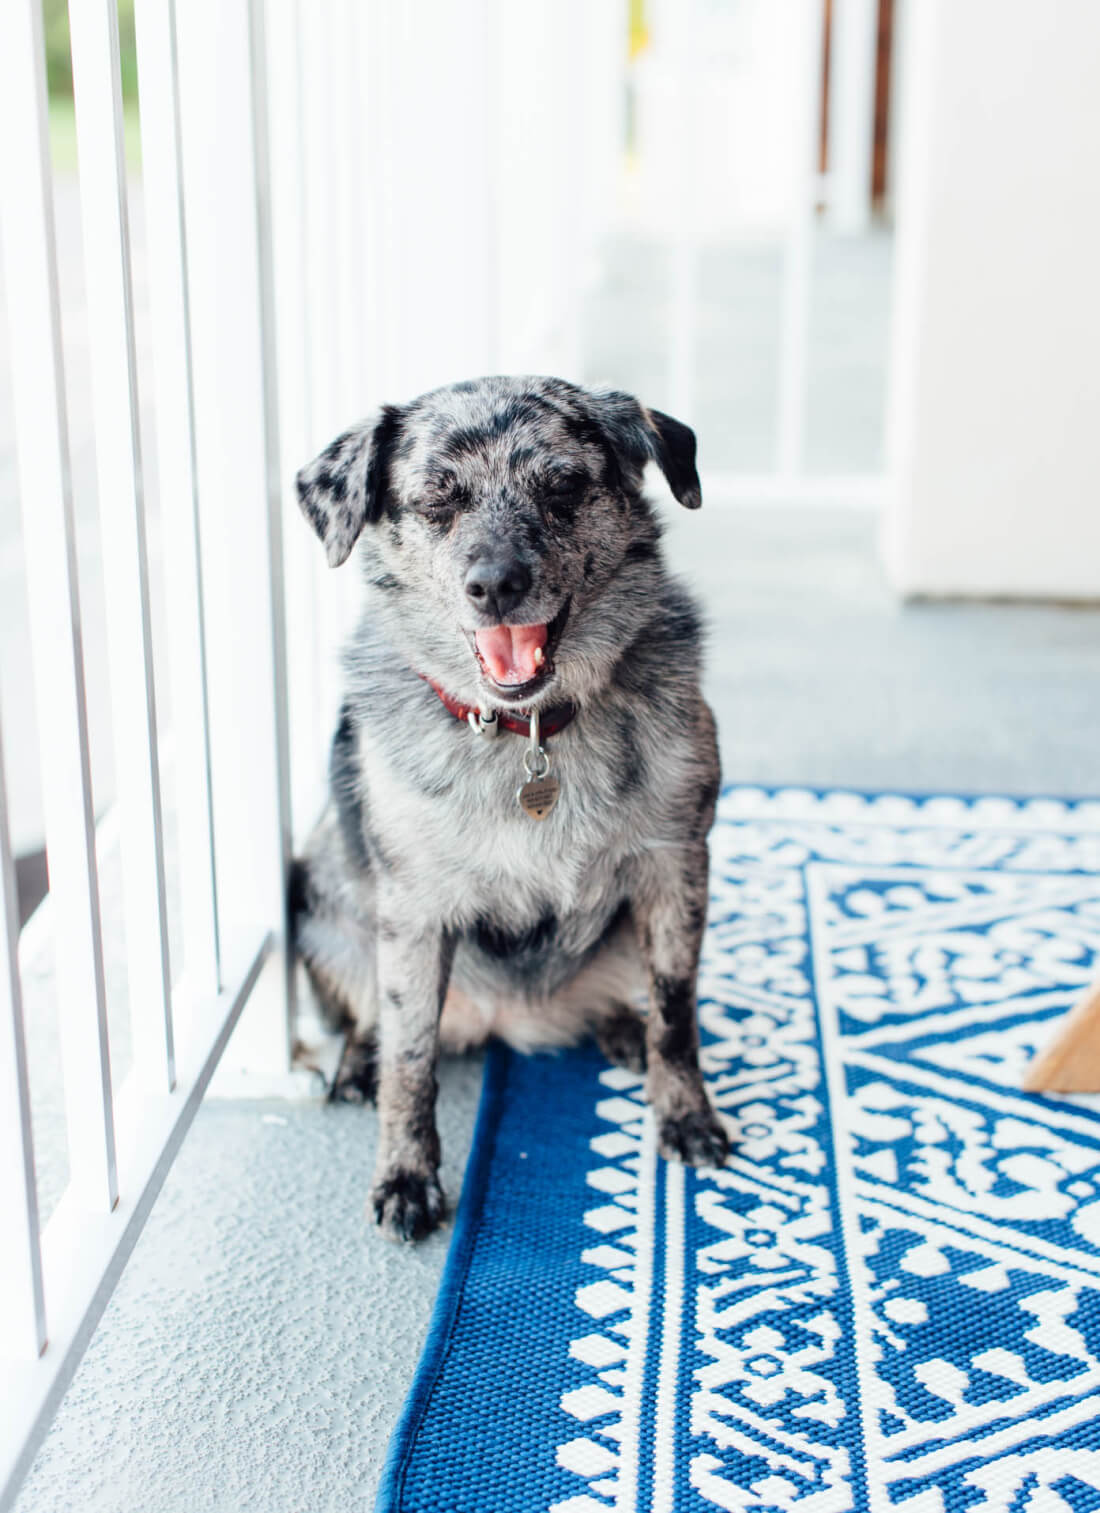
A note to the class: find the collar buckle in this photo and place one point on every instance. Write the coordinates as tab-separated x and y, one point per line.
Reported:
483	724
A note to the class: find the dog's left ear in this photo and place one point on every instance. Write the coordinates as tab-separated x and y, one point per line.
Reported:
642	435
344	488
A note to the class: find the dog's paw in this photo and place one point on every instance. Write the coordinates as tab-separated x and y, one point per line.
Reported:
407	1205
621	1037
695	1138
357	1076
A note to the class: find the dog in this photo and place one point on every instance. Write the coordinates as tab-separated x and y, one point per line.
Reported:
524	771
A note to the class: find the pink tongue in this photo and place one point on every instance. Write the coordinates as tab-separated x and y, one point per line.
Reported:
508	651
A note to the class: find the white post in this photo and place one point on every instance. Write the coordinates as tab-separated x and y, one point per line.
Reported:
281	1012
321	225
995	387
22	1300
98	95
162	178
34	331
324	257
798	260
683	303
236	451
345	123
307	711
362	357
853	56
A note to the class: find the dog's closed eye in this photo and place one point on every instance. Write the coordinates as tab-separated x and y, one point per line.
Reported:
443	492
560	487
564	481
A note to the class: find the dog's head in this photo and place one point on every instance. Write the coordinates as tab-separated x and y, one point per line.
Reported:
503	525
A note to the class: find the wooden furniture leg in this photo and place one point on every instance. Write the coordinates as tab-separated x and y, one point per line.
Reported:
1071	1063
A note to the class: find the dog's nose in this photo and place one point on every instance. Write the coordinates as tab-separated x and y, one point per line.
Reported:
497	584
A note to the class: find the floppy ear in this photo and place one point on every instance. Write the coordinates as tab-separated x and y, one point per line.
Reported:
642	435
344	488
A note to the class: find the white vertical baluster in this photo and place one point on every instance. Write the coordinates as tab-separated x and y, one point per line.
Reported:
236	451
345	306
98	98
488	127
384	171
683	251
357	86
165	234
327	621
295	431
22	1302
795	327
349	126
30	266
323	190
280	817
854	55
683	304
344	123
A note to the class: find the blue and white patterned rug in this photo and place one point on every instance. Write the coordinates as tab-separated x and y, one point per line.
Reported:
890	1297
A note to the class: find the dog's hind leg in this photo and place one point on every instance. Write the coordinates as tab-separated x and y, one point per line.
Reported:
335	948
345	1011
621	1036
357	1075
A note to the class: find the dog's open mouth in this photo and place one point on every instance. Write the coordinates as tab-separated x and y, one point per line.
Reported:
517	660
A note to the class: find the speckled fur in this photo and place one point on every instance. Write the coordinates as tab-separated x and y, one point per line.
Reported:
429	907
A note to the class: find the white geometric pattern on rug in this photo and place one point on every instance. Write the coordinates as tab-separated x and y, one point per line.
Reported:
890	1297
615	1300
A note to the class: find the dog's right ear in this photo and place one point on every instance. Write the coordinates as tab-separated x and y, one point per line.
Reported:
344	488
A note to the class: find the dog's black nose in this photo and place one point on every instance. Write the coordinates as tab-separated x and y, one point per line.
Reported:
497	584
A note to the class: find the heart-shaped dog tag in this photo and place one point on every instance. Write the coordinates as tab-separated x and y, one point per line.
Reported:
539	795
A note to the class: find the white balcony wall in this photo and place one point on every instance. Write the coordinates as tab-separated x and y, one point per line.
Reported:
996	386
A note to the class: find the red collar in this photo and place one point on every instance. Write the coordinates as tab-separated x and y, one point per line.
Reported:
550	720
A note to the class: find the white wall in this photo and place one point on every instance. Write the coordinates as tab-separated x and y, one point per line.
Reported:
718	140
996	383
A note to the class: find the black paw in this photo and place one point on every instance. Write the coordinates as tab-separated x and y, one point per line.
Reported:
621	1038
407	1205
357	1076
695	1138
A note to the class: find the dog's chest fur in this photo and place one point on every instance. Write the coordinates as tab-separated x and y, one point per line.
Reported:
444	802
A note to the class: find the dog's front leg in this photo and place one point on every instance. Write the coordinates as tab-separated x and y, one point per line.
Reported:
414	965
670	908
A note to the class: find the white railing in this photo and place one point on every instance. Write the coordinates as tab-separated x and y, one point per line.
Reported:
730	113
313	245
231	800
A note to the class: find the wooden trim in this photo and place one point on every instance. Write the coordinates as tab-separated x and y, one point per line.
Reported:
1071	1063
883	74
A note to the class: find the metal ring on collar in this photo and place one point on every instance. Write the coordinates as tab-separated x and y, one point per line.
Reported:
536	764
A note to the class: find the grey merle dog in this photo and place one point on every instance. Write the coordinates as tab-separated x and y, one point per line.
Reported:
513	570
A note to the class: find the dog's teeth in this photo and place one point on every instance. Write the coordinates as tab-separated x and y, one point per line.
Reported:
539	659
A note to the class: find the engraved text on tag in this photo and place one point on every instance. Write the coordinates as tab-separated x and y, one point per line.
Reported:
539	795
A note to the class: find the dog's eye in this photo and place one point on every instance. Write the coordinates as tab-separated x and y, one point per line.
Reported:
443	492
560	484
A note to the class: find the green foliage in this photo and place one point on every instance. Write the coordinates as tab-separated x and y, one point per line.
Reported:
63	135
59	68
